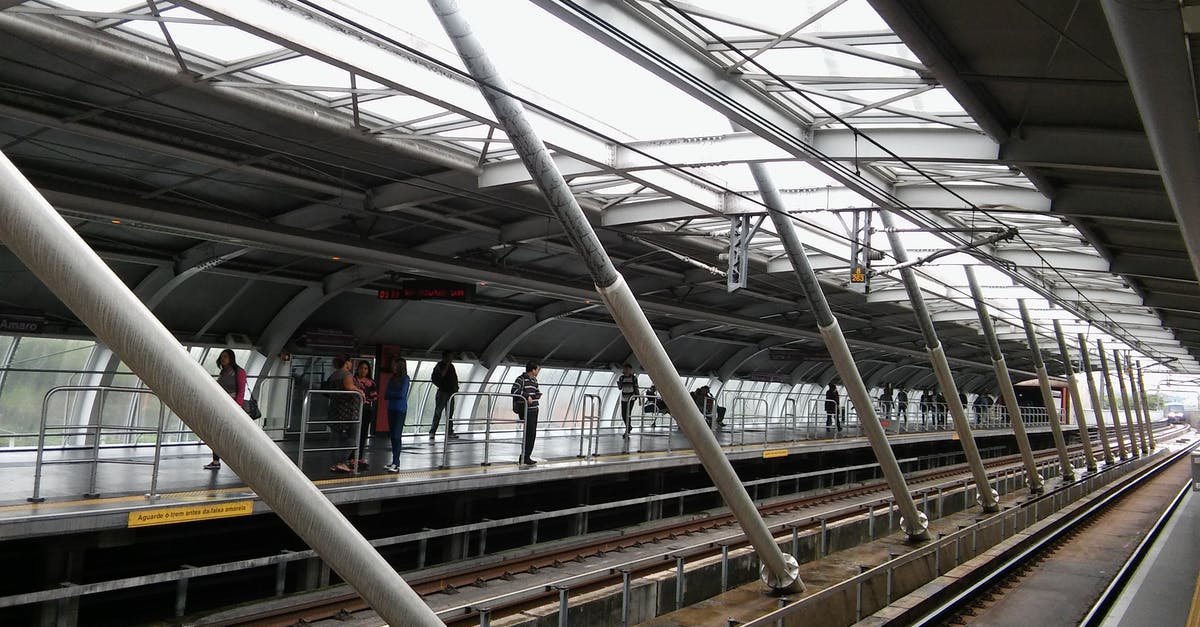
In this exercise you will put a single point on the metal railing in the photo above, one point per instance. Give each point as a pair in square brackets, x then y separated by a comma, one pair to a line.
[960, 545]
[489, 419]
[592, 419]
[96, 432]
[336, 428]
[740, 402]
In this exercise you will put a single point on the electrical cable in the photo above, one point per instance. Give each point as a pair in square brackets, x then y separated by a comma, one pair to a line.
[909, 214]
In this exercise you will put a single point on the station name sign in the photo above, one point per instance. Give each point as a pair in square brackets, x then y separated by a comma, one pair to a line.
[21, 323]
[429, 290]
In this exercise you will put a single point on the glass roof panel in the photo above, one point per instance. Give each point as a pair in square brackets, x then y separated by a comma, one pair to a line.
[819, 49]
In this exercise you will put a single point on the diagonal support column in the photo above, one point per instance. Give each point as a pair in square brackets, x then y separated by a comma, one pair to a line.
[1064, 460]
[44, 242]
[1146, 405]
[1125, 401]
[912, 521]
[1095, 394]
[1143, 418]
[1034, 480]
[779, 571]
[1076, 398]
[988, 499]
[1112, 401]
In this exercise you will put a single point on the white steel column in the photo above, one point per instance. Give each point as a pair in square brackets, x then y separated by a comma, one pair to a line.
[1133, 434]
[1064, 460]
[1076, 399]
[779, 570]
[1099, 411]
[988, 499]
[1143, 418]
[1112, 401]
[1033, 479]
[912, 521]
[1146, 405]
[44, 242]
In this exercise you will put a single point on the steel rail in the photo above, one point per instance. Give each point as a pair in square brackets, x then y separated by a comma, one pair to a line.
[1096, 615]
[1044, 538]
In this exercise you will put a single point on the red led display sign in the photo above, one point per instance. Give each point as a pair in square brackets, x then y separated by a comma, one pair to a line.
[429, 290]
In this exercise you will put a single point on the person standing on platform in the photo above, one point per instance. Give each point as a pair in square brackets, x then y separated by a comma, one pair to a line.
[342, 407]
[526, 407]
[831, 407]
[364, 382]
[940, 408]
[232, 379]
[982, 402]
[885, 402]
[902, 406]
[445, 378]
[926, 403]
[627, 383]
[396, 396]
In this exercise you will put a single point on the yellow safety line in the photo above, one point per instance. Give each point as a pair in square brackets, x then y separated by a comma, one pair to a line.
[1193, 619]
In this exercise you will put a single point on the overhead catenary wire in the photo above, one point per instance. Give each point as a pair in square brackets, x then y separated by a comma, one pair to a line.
[915, 217]
[676, 168]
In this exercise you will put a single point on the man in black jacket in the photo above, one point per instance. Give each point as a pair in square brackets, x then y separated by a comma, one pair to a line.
[831, 407]
[445, 378]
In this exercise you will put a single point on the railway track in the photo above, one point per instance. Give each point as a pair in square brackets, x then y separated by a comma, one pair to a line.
[1083, 559]
[336, 606]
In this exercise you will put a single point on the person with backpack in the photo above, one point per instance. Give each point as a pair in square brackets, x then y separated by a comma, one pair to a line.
[445, 379]
[232, 379]
[526, 394]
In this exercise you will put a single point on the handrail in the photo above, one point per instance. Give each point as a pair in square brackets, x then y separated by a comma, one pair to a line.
[305, 423]
[487, 423]
[740, 401]
[173, 576]
[98, 431]
[589, 401]
[641, 401]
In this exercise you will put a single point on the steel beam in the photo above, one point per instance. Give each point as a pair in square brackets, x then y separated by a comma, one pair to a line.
[1112, 401]
[64, 262]
[1149, 36]
[988, 499]
[913, 522]
[780, 571]
[1095, 395]
[1064, 460]
[1076, 398]
[1034, 479]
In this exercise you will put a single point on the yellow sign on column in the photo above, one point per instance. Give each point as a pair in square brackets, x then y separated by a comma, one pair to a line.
[858, 276]
[189, 513]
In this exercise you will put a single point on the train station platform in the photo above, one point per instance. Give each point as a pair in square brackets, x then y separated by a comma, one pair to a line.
[1164, 589]
[123, 490]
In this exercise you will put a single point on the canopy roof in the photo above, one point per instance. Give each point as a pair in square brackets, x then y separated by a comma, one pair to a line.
[281, 161]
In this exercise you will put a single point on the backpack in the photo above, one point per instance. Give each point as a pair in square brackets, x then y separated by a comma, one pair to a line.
[517, 390]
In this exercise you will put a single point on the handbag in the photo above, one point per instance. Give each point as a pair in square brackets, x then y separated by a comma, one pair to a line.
[252, 408]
